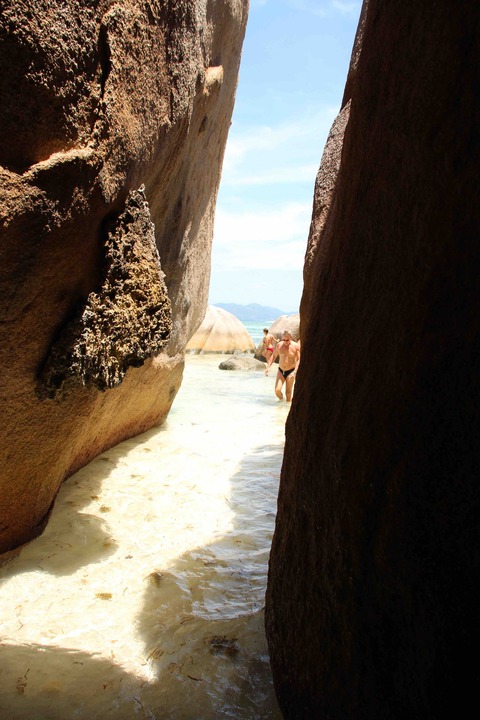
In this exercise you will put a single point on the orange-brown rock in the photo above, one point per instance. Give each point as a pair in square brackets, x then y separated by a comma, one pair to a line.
[113, 122]
[372, 607]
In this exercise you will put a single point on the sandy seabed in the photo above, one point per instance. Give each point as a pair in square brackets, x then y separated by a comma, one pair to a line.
[144, 596]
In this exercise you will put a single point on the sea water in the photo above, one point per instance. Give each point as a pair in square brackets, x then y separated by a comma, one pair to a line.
[144, 597]
[255, 329]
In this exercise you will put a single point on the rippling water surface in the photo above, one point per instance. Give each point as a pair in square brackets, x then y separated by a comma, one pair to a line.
[144, 597]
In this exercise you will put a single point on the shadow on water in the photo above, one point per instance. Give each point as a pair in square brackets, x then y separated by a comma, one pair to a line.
[201, 623]
[202, 620]
[71, 527]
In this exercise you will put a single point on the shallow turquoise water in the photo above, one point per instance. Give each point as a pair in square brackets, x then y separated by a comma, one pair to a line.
[255, 329]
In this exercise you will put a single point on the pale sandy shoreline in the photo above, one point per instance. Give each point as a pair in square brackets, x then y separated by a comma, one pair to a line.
[152, 569]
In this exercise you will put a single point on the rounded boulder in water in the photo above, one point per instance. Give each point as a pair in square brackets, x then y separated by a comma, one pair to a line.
[241, 362]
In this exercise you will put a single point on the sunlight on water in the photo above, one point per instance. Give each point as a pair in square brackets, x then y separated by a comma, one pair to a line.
[144, 596]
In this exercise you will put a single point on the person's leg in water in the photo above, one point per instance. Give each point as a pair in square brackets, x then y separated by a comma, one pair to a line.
[289, 386]
[279, 384]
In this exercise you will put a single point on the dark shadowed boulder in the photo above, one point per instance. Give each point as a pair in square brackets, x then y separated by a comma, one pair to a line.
[241, 362]
[372, 606]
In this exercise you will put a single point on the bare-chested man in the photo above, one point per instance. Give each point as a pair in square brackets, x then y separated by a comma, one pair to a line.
[288, 353]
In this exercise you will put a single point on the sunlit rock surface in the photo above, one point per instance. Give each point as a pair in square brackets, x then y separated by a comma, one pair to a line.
[278, 327]
[286, 322]
[220, 332]
[372, 607]
[114, 119]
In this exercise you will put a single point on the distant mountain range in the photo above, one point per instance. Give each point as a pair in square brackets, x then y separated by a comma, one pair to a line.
[252, 312]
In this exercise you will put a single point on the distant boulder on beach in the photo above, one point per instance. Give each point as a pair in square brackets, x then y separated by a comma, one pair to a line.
[284, 322]
[220, 332]
[241, 362]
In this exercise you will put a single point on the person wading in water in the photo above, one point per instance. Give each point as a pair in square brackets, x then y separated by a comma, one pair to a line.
[269, 342]
[288, 353]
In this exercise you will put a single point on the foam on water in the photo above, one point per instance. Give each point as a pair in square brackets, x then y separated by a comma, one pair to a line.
[144, 596]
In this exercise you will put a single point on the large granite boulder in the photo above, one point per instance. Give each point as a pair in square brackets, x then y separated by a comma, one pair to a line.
[286, 322]
[220, 332]
[114, 117]
[282, 323]
[372, 606]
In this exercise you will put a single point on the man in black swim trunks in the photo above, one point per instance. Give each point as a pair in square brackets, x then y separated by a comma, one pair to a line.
[288, 353]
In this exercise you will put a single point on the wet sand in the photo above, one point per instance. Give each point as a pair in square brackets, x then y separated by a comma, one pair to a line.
[144, 596]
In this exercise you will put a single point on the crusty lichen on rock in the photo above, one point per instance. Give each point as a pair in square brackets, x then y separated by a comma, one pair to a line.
[126, 321]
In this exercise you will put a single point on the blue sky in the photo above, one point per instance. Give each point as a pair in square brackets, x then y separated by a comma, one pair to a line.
[294, 65]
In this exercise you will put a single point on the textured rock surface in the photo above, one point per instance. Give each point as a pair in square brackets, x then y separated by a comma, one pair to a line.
[372, 608]
[220, 332]
[123, 324]
[96, 303]
[242, 362]
[286, 322]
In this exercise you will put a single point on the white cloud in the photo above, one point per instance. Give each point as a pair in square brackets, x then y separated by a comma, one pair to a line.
[346, 8]
[350, 9]
[261, 137]
[260, 223]
[288, 152]
[277, 176]
[271, 239]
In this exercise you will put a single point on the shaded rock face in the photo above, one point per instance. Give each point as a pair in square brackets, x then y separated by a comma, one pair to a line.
[101, 282]
[220, 332]
[371, 607]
